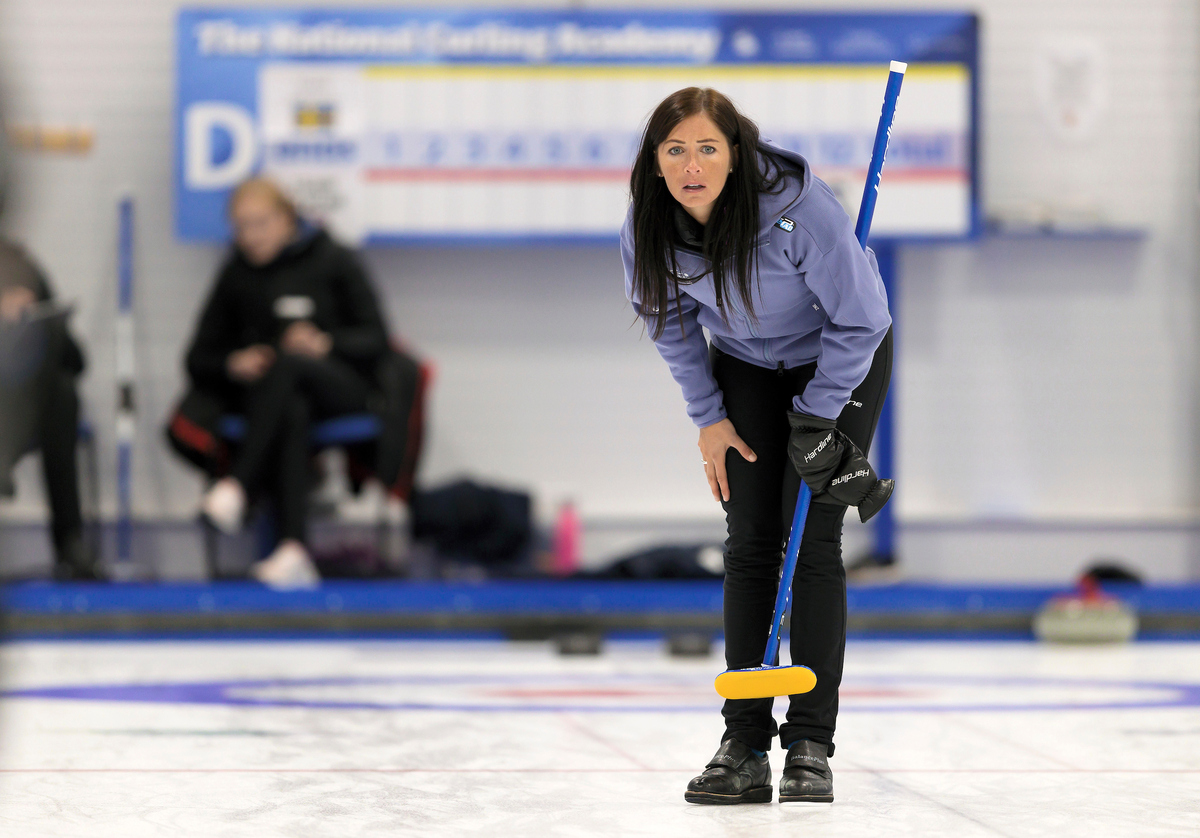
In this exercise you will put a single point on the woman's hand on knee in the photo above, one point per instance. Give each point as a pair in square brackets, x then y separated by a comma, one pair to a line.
[715, 441]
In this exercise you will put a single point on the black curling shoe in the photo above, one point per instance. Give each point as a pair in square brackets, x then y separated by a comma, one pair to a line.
[734, 775]
[806, 774]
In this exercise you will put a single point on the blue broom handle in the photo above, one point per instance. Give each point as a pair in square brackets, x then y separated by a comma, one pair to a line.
[861, 230]
[866, 210]
[784, 598]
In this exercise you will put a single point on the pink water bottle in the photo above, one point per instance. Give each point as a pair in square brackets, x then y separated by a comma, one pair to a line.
[567, 537]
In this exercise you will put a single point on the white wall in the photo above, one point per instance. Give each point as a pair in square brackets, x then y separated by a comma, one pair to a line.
[1037, 381]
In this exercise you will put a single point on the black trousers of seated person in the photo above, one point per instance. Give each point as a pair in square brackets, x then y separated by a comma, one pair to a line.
[762, 500]
[281, 409]
[39, 410]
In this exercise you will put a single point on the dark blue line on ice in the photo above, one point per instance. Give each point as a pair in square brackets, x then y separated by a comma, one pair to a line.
[232, 693]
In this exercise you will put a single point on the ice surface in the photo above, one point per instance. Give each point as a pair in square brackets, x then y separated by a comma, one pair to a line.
[345, 738]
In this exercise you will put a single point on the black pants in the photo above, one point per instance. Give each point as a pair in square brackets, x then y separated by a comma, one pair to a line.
[762, 500]
[39, 409]
[280, 410]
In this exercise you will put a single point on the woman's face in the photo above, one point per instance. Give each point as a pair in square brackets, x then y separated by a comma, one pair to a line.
[695, 160]
[261, 227]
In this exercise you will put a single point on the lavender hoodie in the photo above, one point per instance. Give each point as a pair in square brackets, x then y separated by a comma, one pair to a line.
[818, 297]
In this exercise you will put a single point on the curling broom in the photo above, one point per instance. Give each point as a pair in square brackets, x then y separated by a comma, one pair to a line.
[770, 680]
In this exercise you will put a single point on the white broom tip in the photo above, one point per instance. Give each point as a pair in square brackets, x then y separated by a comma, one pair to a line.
[899, 67]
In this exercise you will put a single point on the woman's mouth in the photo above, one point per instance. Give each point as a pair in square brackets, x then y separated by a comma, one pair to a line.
[693, 187]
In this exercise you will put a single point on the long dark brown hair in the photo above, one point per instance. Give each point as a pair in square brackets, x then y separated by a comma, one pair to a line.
[731, 234]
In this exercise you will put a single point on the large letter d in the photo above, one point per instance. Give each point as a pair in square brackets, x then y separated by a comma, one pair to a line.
[200, 123]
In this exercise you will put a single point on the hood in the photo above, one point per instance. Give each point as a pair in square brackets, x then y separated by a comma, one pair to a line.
[791, 190]
[307, 234]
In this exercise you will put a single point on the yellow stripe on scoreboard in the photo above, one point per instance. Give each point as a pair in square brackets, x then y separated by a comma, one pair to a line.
[765, 72]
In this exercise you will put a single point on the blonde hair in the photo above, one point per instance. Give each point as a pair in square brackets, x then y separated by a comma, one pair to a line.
[267, 188]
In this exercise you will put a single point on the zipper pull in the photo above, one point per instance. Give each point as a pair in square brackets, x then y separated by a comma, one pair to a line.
[779, 369]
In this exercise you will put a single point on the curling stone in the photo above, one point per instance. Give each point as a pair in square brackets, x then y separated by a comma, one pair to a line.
[1088, 615]
[579, 643]
[690, 644]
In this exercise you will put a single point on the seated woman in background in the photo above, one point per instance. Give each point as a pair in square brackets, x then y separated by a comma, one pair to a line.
[39, 407]
[291, 335]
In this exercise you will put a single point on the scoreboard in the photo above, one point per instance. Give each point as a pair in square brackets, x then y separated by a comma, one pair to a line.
[401, 126]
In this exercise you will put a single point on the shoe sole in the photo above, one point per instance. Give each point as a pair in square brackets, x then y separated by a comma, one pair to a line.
[806, 799]
[761, 794]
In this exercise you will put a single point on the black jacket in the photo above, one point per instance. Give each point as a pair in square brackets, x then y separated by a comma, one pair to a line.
[245, 307]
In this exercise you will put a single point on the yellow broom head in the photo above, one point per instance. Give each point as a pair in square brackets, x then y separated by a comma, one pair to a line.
[765, 681]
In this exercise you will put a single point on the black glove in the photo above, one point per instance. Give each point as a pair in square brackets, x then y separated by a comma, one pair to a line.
[815, 448]
[856, 484]
[833, 467]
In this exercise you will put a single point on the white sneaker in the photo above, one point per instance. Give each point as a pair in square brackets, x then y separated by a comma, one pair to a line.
[225, 504]
[289, 568]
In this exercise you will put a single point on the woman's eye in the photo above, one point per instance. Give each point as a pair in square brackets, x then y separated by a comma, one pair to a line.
[708, 149]
[675, 150]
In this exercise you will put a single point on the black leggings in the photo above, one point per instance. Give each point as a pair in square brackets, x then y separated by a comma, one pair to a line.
[280, 410]
[762, 500]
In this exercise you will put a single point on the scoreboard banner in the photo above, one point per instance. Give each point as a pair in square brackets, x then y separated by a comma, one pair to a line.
[427, 126]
